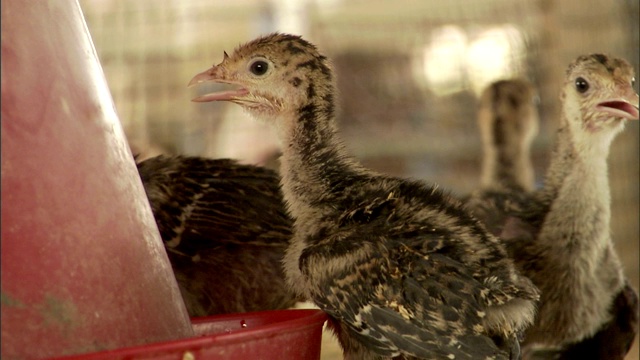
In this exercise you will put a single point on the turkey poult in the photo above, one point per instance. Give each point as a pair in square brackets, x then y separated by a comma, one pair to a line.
[402, 270]
[225, 228]
[562, 239]
[508, 122]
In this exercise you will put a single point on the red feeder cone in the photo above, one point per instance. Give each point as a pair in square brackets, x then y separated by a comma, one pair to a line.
[83, 266]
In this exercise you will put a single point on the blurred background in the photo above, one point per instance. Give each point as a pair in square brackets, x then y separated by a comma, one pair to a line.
[409, 73]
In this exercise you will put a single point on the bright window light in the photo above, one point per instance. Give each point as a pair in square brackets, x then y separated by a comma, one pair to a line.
[444, 60]
[494, 54]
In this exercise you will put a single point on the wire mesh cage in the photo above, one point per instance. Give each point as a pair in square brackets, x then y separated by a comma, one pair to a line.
[409, 74]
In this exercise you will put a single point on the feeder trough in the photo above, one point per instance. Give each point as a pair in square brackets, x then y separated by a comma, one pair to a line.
[265, 335]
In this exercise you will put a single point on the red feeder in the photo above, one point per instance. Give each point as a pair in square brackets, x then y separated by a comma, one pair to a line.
[83, 265]
[266, 335]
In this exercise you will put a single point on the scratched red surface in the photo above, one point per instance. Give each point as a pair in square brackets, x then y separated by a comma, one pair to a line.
[83, 266]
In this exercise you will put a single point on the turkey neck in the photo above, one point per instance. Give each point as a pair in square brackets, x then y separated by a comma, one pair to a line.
[563, 158]
[314, 171]
[581, 271]
[507, 166]
[315, 167]
[576, 194]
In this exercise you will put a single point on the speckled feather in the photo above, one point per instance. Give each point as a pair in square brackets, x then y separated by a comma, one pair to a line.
[402, 269]
[410, 271]
[225, 228]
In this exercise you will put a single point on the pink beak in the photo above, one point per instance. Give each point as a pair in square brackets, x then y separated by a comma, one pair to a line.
[215, 74]
[619, 108]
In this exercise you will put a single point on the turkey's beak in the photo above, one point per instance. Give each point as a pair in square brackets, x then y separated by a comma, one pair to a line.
[216, 74]
[621, 108]
[624, 104]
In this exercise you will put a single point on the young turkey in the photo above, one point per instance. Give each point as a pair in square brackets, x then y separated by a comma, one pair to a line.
[225, 228]
[401, 268]
[508, 122]
[561, 236]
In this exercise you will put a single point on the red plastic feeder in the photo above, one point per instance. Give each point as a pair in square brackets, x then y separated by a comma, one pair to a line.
[266, 335]
[84, 270]
[83, 265]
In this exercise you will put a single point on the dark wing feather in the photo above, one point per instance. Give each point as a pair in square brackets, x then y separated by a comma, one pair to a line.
[201, 203]
[225, 229]
[412, 298]
[494, 208]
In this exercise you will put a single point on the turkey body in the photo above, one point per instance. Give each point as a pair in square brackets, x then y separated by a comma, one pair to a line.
[225, 228]
[559, 236]
[508, 122]
[402, 269]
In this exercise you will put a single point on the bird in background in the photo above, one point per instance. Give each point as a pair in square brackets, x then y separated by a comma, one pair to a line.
[559, 236]
[225, 228]
[400, 267]
[508, 122]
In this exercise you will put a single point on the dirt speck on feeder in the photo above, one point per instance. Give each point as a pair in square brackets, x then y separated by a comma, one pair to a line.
[59, 311]
[8, 300]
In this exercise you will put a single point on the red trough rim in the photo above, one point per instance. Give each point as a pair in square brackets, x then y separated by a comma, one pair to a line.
[294, 320]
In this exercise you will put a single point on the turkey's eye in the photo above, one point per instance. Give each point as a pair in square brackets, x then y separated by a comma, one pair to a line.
[259, 67]
[582, 85]
[633, 82]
